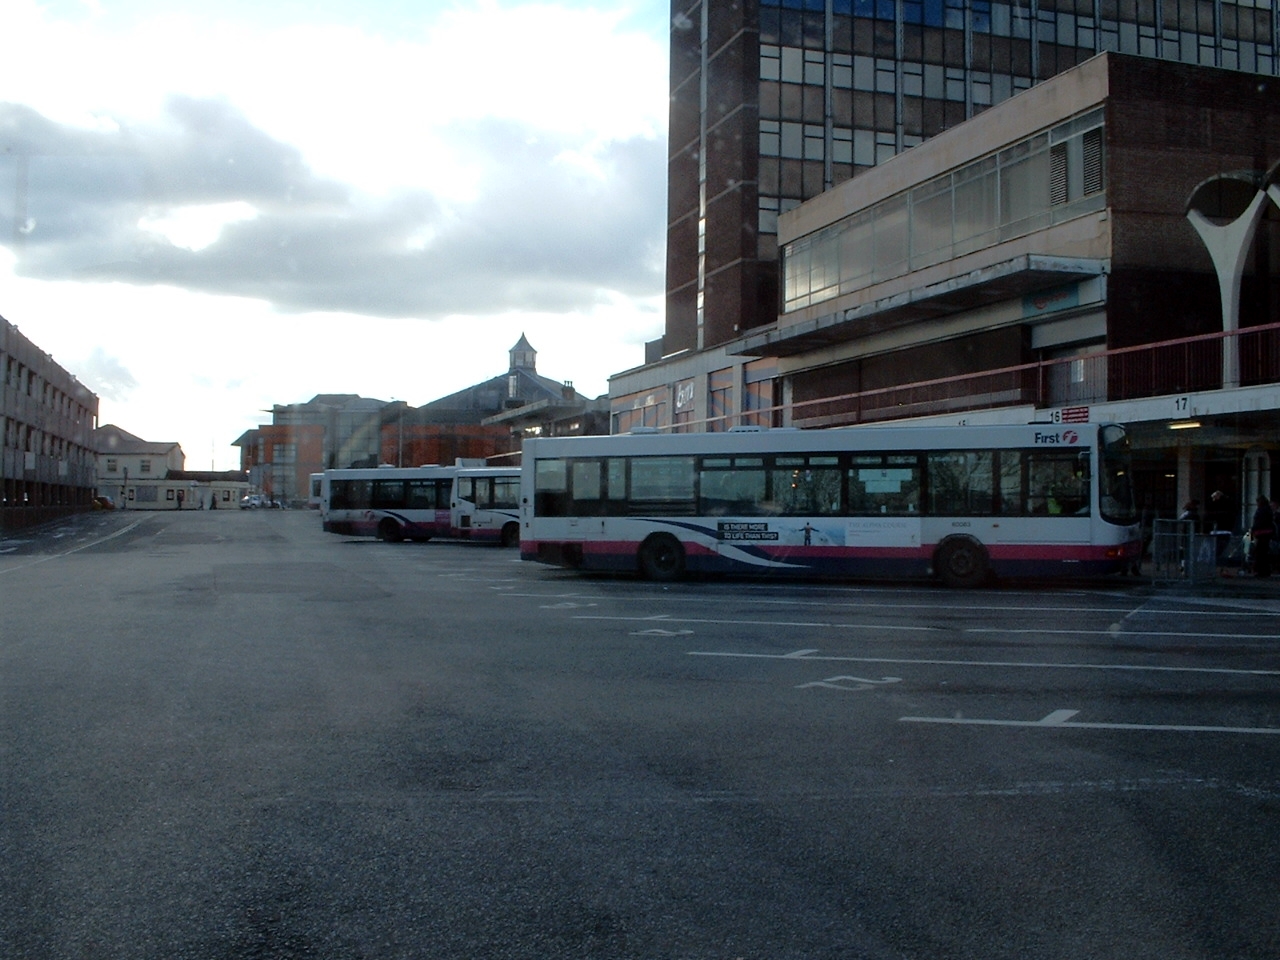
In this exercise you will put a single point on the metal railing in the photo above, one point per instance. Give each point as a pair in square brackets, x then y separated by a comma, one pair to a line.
[1167, 368]
[1179, 553]
[1185, 365]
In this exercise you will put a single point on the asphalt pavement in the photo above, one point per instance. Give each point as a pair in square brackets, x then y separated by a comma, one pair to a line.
[237, 736]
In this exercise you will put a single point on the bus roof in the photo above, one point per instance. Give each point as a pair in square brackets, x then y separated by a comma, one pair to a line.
[387, 472]
[834, 439]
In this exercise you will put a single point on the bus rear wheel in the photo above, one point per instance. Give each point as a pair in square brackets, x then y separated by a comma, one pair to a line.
[661, 558]
[389, 531]
[962, 562]
[511, 534]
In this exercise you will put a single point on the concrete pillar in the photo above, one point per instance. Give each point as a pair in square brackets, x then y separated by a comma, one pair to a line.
[1228, 245]
[1186, 490]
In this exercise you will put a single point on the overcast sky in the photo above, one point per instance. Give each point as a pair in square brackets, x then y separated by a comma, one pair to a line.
[208, 209]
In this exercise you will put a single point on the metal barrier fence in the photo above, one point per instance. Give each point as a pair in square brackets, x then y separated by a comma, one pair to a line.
[1178, 552]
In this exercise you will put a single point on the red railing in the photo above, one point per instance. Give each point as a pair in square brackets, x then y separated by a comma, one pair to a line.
[1186, 365]
[1167, 368]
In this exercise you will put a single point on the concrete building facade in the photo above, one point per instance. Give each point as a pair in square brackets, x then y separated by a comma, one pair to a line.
[1105, 246]
[48, 418]
[840, 251]
[774, 102]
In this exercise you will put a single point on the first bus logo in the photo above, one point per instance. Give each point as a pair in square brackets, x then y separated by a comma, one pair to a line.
[1063, 437]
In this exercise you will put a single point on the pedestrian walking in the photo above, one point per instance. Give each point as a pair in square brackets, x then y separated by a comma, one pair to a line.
[1222, 524]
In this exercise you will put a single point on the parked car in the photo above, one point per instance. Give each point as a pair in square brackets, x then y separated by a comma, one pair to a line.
[103, 503]
[256, 501]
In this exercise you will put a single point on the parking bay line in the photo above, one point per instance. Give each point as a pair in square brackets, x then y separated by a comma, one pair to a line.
[949, 608]
[1112, 632]
[1060, 719]
[66, 553]
[666, 618]
[1056, 719]
[811, 655]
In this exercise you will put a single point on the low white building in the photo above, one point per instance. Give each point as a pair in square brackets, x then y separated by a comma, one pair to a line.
[143, 475]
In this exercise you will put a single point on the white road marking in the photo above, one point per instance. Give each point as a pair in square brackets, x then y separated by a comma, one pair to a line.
[548, 596]
[1115, 630]
[1060, 719]
[1035, 665]
[67, 553]
[1112, 631]
[1144, 609]
[770, 623]
[839, 683]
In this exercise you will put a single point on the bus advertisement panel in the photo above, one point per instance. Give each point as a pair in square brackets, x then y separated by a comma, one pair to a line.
[959, 503]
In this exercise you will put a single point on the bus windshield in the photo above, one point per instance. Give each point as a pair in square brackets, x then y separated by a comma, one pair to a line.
[1116, 487]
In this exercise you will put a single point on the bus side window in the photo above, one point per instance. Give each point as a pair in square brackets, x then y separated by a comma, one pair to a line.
[884, 488]
[807, 491]
[731, 487]
[586, 488]
[663, 486]
[388, 494]
[1058, 482]
[422, 495]
[615, 473]
[348, 494]
[506, 493]
[1012, 498]
[551, 488]
[961, 483]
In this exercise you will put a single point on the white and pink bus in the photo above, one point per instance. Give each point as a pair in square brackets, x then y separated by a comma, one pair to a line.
[959, 503]
[390, 503]
[418, 503]
[486, 505]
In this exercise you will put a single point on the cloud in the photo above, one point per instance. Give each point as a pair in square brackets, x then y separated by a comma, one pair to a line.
[250, 203]
[554, 222]
[106, 376]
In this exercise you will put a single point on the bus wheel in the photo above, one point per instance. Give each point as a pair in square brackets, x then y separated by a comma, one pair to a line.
[389, 531]
[661, 558]
[511, 534]
[961, 562]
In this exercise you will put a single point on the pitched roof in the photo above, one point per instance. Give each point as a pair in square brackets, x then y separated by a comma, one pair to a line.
[491, 396]
[112, 439]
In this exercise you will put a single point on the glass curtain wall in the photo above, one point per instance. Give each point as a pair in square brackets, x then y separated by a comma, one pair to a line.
[1044, 179]
[846, 84]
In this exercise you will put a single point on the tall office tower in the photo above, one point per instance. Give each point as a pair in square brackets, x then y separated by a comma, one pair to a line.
[775, 101]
